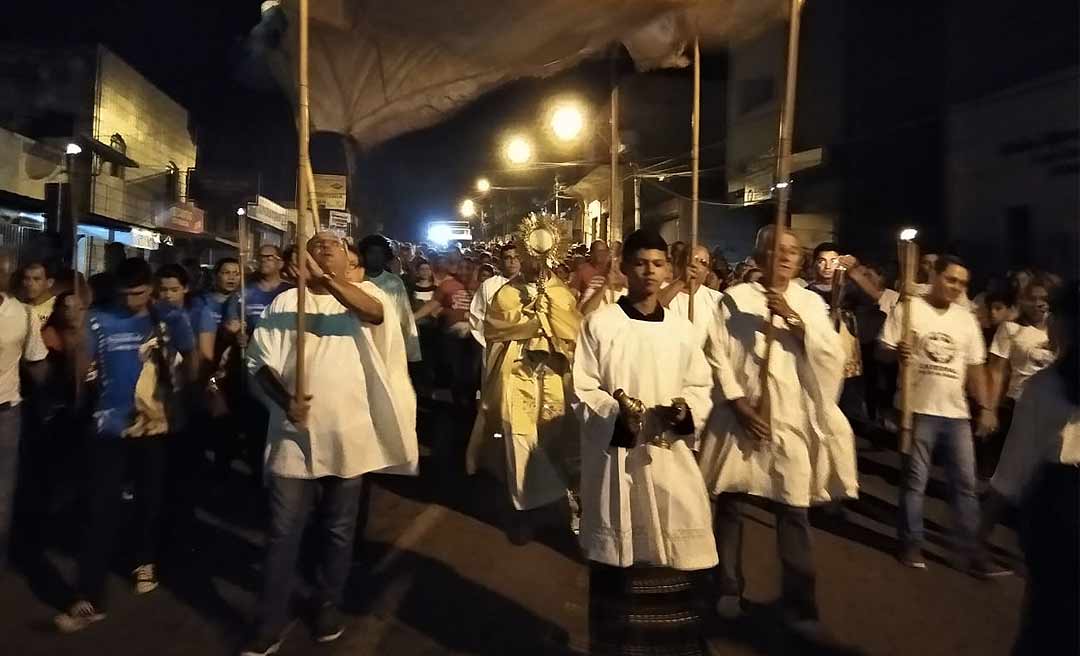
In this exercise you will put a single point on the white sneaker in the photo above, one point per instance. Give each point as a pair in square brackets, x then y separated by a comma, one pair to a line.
[81, 615]
[145, 578]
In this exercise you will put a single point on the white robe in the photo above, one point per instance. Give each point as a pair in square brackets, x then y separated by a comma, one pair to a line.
[706, 310]
[479, 305]
[391, 347]
[645, 505]
[811, 455]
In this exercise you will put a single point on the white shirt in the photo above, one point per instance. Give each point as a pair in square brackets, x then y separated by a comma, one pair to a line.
[644, 504]
[1027, 349]
[810, 457]
[888, 301]
[20, 338]
[394, 288]
[1045, 429]
[947, 342]
[355, 425]
[480, 301]
[706, 309]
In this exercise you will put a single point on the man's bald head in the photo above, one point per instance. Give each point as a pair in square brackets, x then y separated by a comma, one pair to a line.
[328, 250]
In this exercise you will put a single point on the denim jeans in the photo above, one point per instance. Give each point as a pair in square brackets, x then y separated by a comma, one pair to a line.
[954, 437]
[292, 500]
[9, 469]
[793, 543]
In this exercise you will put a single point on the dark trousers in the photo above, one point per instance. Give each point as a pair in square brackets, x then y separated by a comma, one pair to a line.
[292, 500]
[793, 543]
[1050, 535]
[988, 450]
[462, 355]
[110, 460]
[9, 467]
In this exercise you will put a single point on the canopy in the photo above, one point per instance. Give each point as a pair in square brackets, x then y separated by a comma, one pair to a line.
[379, 69]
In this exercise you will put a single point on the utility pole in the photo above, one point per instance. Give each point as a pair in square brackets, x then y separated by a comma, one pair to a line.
[637, 201]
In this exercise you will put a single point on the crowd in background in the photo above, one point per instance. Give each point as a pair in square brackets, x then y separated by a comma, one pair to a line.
[191, 323]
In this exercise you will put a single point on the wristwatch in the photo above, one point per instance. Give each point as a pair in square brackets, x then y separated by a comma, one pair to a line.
[793, 321]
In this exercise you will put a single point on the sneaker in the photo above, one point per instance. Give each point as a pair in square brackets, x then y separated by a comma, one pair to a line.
[729, 607]
[261, 646]
[912, 557]
[145, 578]
[81, 615]
[329, 623]
[985, 568]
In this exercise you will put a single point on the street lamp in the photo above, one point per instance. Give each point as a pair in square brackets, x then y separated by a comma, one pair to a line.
[567, 121]
[483, 185]
[468, 208]
[73, 149]
[908, 234]
[518, 150]
[240, 211]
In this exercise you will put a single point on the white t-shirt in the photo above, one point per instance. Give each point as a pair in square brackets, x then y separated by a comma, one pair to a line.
[20, 337]
[947, 342]
[1027, 349]
[888, 301]
[706, 310]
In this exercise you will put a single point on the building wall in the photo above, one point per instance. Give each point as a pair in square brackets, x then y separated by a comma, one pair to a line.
[155, 130]
[1012, 165]
[26, 166]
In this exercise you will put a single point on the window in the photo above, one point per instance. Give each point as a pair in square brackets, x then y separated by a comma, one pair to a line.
[172, 182]
[116, 142]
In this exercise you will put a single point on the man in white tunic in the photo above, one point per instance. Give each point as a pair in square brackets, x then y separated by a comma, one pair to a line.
[642, 388]
[676, 298]
[375, 253]
[357, 417]
[509, 266]
[799, 454]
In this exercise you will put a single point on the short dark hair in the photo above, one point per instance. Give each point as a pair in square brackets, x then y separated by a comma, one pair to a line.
[133, 272]
[643, 240]
[45, 266]
[355, 250]
[376, 241]
[825, 246]
[487, 267]
[173, 271]
[277, 249]
[998, 296]
[222, 262]
[945, 261]
[507, 247]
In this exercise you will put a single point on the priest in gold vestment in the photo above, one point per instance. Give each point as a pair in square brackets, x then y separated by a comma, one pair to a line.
[525, 432]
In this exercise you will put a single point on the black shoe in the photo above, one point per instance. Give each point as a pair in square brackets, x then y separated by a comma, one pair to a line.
[261, 646]
[911, 556]
[329, 623]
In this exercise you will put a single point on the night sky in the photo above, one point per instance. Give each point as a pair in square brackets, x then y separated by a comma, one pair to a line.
[195, 51]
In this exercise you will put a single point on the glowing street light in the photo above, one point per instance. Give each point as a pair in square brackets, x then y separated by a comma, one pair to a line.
[908, 234]
[468, 208]
[567, 121]
[73, 149]
[483, 185]
[519, 150]
[240, 211]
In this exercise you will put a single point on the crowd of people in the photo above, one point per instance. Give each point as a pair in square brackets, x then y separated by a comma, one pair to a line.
[650, 388]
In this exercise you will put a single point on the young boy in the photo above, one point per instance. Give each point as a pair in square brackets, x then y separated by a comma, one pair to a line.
[643, 390]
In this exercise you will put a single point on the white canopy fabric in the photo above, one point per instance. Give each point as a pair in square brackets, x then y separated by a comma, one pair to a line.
[381, 68]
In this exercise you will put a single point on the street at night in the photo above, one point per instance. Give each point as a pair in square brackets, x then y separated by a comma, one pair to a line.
[498, 327]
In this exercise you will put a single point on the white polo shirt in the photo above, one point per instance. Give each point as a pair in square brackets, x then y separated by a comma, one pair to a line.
[20, 337]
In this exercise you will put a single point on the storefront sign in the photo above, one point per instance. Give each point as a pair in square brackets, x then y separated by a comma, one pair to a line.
[183, 217]
[330, 191]
[270, 213]
[339, 219]
[148, 239]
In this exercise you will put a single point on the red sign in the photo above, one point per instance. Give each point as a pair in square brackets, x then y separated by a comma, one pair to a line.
[184, 217]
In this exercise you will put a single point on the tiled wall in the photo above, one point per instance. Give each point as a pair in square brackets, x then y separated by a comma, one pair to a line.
[154, 128]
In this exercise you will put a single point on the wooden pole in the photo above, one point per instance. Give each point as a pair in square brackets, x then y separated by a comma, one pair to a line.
[909, 262]
[615, 205]
[304, 127]
[695, 166]
[783, 185]
[241, 234]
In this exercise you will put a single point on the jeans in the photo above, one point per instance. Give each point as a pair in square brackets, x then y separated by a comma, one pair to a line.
[9, 469]
[110, 460]
[954, 436]
[793, 543]
[292, 500]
